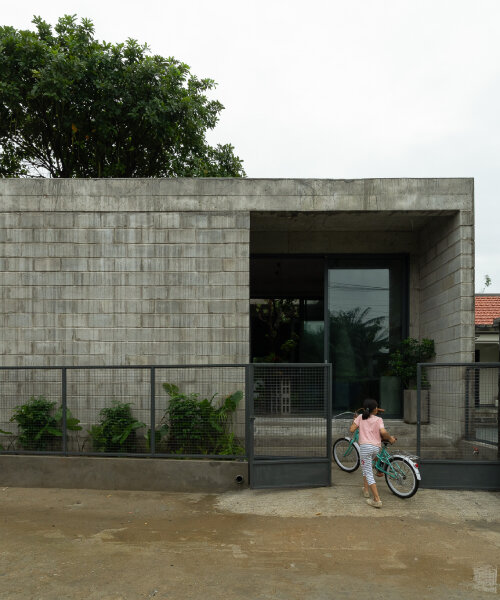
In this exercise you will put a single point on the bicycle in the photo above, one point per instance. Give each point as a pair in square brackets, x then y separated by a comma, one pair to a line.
[401, 470]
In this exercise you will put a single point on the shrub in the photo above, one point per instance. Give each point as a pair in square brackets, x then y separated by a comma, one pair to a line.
[39, 429]
[194, 426]
[116, 431]
[403, 361]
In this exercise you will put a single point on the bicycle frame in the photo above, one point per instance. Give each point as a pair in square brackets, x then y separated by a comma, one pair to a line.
[382, 462]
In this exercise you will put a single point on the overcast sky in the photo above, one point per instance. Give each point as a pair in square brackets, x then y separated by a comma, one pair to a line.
[331, 89]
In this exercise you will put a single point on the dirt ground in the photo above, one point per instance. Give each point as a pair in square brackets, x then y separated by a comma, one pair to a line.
[316, 544]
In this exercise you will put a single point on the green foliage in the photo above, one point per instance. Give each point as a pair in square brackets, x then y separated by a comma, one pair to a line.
[2, 432]
[116, 430]
[280, 317]
[487, 282]
[38, 427]
[72, 106]
[160, 433]
[403, 361]
[197, 426]
[356, 338]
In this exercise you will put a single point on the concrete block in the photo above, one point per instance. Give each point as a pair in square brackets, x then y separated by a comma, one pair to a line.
[222, 236]
[209, 264]
[172, 220]
[127, 320]
[128, 236]
[47, 264]
[233, 264]
[25, 264]
[182, 236]
[127, 264]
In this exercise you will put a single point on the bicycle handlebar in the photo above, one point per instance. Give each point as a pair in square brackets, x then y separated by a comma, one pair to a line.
[385, 442]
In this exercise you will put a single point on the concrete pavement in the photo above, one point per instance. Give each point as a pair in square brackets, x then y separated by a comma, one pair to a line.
[317, 544]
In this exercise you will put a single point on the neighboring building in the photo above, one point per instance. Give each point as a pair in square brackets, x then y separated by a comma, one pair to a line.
[182, 271]
[487, 319]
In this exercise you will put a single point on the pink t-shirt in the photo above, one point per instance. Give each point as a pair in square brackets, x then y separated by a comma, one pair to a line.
[369, 429]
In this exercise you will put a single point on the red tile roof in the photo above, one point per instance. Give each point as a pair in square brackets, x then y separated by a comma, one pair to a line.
[487, 309]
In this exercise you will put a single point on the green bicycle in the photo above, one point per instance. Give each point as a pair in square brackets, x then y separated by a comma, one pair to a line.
[401, 470]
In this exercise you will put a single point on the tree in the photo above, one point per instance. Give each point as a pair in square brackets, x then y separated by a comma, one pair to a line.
[356, 338]
[71, 106]
[487, 282]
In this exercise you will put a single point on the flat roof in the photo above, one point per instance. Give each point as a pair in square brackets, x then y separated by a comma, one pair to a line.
[436, 195]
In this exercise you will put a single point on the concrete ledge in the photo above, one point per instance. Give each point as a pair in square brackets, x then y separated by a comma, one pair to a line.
[148, 474]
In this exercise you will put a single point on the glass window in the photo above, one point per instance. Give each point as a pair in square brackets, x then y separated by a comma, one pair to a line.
[365, 300]
[365, 313]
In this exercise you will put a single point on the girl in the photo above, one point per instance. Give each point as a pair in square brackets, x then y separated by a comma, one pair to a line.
[371, 434]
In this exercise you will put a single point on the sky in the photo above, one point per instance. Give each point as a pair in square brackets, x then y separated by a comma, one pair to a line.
[334, 89]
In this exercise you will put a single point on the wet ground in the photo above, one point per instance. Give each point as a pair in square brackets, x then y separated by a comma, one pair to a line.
[317, 544]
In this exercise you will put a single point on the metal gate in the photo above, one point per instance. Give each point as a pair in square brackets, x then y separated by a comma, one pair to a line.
[289, 425]
[458, 425]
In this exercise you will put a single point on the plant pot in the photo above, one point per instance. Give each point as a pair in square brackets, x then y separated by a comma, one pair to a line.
[410, 406]
[390, 394]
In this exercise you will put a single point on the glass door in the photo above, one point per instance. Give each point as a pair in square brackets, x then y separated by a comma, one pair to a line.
[365, 316]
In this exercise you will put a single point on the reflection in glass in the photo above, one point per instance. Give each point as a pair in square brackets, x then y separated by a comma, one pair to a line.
[287, 330]
[364, 316]
[358, 309]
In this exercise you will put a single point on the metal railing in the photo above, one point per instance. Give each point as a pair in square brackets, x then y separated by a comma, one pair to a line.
[458, 411]
[290, 410]
[156, 411]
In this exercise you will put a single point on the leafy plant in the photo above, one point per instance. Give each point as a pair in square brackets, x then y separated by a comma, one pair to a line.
[355, 339]
[38, 427]
[403, 361]
[2, 432]
[116, 430]
[73, 106]
[198, 426]
[279, 317]
[160, 433]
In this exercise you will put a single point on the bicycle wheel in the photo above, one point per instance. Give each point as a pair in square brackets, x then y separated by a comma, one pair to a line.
[346, 455]
[401, 478]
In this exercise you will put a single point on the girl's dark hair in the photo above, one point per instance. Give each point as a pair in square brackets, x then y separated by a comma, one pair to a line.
[369, 405]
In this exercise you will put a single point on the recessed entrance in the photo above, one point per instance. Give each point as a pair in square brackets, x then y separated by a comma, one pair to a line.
[347, 310]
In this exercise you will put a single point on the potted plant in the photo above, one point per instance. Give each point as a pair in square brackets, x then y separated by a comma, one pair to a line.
[403, 363]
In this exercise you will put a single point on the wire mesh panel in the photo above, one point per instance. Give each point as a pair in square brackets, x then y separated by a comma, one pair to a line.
[159, 411]
[289, 410]
[30, 410]
[459, 406]
[200, 410]
[112, 406]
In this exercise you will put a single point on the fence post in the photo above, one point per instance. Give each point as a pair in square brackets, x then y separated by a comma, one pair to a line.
[249, 413]
[419, 394]
[328, 399]
[152, 435]
[64, 407]
[467, 403]
[498, 413]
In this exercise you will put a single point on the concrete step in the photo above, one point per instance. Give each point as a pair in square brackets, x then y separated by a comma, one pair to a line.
[305, 432]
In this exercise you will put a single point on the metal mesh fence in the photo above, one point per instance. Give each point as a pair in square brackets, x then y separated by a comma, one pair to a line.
[200, 411]
[113, 407]
[459, 411]
[206, 410]
[291, 405]
[27, 396]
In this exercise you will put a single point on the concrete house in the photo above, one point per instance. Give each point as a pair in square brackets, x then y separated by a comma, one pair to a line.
[188, 271]
[486, 323]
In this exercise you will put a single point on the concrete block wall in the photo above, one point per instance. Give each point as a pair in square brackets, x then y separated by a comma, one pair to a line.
[446, 314]
[157, 271]
[123, 287]
[446, 293]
